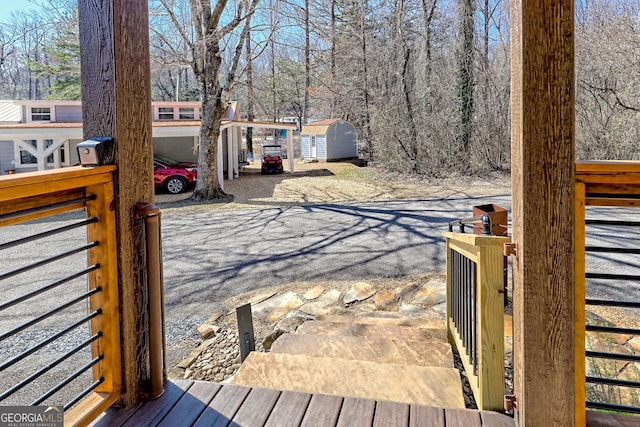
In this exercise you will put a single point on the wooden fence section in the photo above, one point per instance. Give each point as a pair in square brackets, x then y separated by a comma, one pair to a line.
[475, 312]
[29, 196]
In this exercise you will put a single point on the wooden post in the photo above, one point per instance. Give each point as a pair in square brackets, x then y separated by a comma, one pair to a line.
[543, 173]
[116, 101]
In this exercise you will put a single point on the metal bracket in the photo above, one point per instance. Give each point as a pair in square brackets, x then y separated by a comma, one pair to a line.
[510, 403]
[245, 331]
[510, 249]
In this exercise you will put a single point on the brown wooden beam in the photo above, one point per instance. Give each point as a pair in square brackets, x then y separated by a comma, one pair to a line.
[543, 169]
[116, 101]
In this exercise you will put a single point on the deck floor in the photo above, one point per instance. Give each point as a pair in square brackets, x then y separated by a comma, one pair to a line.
[199, 403]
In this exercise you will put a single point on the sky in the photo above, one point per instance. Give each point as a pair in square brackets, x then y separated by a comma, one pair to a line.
[8, 6]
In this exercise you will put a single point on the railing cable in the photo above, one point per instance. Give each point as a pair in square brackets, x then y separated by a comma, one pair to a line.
[47, 233]
[52, 206]
[48, 287]
[49, 340]
[50, 313]
[49, 366]
[47, 261]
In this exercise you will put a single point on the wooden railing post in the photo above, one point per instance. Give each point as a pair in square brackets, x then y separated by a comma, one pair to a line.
[116, 102]
[542, 181]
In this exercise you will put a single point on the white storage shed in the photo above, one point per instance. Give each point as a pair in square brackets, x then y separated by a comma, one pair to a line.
[327, 140]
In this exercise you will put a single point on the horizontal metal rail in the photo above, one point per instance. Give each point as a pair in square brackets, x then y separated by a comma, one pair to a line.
[49, 313]
[48, 287]
[604, 249]
[47, 233]
[609, 303]
[49, 207]
[612, 222]
[84, 393]
[612, 407]
[613, 381]
[42, 344]
[613, 196]
[46, 261]
[49, 366]
[612, 330]
[483, 219]
[607, 276]
[614, 356]
[68, 380]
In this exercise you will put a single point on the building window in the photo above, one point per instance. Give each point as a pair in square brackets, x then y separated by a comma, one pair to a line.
[187, 113]
[165, 113]
[26, 158]
[63, 161]
[41, 114]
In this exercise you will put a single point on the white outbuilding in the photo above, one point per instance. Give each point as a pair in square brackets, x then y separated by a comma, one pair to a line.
[329, 140]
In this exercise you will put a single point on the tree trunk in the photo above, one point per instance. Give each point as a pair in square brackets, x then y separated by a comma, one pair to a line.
[250, 92]
[465, 83]
[307, 62]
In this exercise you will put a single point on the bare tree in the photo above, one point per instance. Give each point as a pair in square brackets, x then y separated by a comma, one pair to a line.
[212, 33]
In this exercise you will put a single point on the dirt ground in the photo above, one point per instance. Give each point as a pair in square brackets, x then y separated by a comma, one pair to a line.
[335, 182]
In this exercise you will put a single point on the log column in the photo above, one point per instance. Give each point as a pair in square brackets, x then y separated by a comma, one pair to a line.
[116, 101]
[543, 169]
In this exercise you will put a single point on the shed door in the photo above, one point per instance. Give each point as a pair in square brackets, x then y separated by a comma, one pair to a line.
[313, 147]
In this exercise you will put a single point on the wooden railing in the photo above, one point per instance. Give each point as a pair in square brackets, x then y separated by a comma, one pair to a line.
[40, 195]
[475, 312]
[611, 187]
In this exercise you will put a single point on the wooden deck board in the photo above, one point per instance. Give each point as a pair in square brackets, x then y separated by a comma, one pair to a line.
[191, 405]
[391, 414]
[154, 410]
[188, 403]
[323, 410]
[356, 413]
[223, 407]
[289, 409]
[426, 416]
[257, 407]
[462, 417]
[494, 419]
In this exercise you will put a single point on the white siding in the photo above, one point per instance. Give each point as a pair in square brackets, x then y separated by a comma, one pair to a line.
[305, 146]
[9, 113]
[321, 147]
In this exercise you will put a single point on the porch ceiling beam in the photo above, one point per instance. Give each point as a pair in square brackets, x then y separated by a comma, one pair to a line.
[543, 170]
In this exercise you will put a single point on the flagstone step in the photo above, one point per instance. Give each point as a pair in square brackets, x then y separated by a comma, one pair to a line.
[380, 350]
[429, 322]
[431, 386]
[406, 333]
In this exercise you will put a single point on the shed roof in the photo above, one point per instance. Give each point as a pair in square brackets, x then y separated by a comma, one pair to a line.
[319, 127]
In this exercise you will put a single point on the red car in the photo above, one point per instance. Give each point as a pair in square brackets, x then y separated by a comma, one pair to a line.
[175, 177]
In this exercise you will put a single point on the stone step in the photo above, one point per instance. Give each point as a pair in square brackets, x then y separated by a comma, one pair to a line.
[379, 350]
[431, 386]
[406, 333]
[429, 322]
[422, 314]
